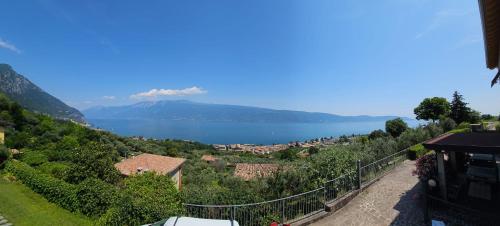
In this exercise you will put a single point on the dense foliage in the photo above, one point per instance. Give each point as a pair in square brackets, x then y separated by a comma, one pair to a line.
[54, 190]
[426, 167]
[460, 112]
[395, 127]
[432, 108]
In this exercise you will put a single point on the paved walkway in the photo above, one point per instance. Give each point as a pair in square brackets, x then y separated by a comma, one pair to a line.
[393, 200]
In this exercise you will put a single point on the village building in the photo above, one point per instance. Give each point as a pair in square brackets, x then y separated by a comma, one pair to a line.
[162, 165]
[248, 171]
[208, 158]
[220, 147]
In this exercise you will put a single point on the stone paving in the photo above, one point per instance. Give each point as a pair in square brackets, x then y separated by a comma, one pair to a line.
[4, 222]
[393, 200]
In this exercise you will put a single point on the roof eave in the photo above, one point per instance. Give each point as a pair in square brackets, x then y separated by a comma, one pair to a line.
[490, 24]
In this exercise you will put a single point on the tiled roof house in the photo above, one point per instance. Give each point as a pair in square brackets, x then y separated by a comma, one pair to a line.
[162, 165]
[249, 171]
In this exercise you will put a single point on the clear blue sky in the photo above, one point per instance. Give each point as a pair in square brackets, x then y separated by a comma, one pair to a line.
[345, 57]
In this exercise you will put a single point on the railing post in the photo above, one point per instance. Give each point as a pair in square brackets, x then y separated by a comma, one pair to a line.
[232, 214]
[325, 197]
[358, 168]
[283, 211]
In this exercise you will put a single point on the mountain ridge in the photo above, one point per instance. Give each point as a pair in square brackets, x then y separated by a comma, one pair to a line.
[29, 95]
[196, 111]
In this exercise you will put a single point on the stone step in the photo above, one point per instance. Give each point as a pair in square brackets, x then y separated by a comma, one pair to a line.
[4, 221]
[1, 217]
[7, 224]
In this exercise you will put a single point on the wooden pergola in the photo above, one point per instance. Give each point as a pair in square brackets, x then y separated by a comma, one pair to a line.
[490, 17]
[456, 146]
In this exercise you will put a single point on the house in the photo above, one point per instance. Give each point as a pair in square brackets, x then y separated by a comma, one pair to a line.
[208, 158]
[162, 165]
[490, 18]
[220, 147]
[2, 135]
[248, 171]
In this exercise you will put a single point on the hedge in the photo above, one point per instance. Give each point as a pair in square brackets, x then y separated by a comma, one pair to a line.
[54, 190]
[419, 150]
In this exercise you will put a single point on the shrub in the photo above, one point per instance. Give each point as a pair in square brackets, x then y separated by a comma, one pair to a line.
[419, 150]
[93, 161]
[377, 134]
[434, 130]
[497, 127]
[146, 198]
[34, 158]
[313, 150]
[4, 154]
[426, 167]
[54, 190]
[95, 196]
[447, 124]
[412, 136]
[55, 169]
[463, 125]
[395, 127]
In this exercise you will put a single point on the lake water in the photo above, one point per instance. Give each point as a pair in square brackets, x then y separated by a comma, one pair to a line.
[232, 133]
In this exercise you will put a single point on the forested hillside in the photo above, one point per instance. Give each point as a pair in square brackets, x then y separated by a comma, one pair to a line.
[19, 88]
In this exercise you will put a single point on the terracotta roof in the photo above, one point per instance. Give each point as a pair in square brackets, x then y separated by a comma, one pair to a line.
[486, 142]
[148, 162]
[208, 158]
[248, 171]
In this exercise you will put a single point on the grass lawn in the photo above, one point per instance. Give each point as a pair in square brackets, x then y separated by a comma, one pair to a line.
[21, 206]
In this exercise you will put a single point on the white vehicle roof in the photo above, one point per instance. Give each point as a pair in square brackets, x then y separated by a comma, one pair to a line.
[190, 221]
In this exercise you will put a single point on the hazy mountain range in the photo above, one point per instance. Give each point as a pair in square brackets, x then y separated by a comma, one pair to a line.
[23, 91]
[20, 89]
[193, 111]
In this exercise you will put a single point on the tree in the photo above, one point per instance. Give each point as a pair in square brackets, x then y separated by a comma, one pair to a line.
[474, 116]
[93, 161]
[459, 110]
[395, 127]
[432, 108]
[377, 134]
[447, 124]
[313, 150]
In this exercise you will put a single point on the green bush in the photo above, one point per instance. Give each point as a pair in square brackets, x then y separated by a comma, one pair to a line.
[463, 125]
[55, 169]
[146, 198]
[4, 155]
[419, 150]
[447, 124]
[95, 196]
[34, 158]
[54, 190]
[395, 127]
[497, 127]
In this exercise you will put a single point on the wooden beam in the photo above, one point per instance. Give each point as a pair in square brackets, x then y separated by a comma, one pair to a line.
[441, 175]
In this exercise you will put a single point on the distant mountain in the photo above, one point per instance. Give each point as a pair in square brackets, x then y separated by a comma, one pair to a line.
[192, 111]
[32, 97]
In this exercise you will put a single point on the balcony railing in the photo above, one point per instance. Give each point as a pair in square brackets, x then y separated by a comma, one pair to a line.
[297, 207]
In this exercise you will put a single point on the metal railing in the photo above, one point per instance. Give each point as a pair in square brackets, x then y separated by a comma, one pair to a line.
[296, 207]
[374, 170]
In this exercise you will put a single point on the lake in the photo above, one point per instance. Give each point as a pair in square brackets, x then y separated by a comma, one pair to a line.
[233, 133]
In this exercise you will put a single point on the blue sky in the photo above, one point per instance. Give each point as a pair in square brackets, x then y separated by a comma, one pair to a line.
[345, 57]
